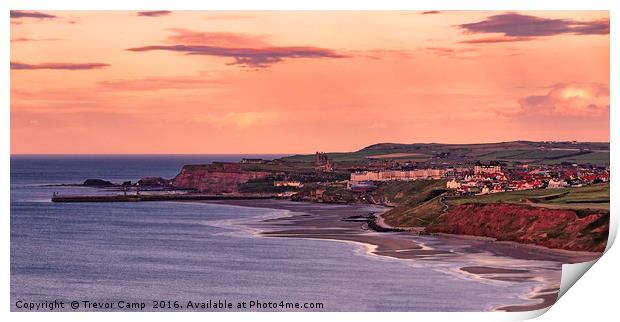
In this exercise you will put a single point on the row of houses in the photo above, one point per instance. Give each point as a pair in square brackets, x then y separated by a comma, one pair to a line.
[487, 178]
[397, 175]
[544, 176]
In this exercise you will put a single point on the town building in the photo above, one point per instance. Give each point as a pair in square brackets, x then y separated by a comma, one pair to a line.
[485, 190]
[287, 183]
[492, 168]
[323, 163]
[453, 184]
[398, 175]
[252, 161]
[361, 186]
[554, 184]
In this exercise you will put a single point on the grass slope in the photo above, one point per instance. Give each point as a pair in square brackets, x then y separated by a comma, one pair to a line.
[417, 202]
[409, 193]
[420, 215]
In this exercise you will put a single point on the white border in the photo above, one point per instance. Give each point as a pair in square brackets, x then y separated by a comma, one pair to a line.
[313, 5]
[593, 297]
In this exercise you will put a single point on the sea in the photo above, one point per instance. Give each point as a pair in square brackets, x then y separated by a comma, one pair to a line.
[164, 254]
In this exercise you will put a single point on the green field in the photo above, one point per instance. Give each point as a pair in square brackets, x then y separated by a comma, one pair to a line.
[589, 197]
[548, 156]
[592, 157]
[336, 156]
[527, 155]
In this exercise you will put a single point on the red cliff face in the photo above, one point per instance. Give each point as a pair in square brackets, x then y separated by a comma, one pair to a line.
[553, 228]
[214, 178]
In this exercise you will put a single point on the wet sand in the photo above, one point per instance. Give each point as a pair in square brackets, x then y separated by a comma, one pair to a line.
[491, 270]
[345, 223]
[547, 298]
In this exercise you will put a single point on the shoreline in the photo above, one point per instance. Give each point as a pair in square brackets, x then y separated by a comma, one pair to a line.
[320, 221]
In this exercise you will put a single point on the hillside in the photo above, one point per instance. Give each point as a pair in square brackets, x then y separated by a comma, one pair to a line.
[391, 193]
[408, 193]
[567, 218]
[418, 215]
[523, 151]
[423, 206]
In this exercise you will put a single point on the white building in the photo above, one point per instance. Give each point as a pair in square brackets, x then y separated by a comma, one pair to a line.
[485, 190]
[398, 175]
[492, 168]
[453, 184]
[287, 183]
[553, 184]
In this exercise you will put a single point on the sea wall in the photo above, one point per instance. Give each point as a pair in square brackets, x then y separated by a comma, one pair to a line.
[581, 230]
[214, 178]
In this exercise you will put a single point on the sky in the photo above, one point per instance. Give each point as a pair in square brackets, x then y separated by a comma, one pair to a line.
[108, 82]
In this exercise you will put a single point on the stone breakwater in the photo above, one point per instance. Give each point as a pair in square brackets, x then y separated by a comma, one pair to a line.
[582, 230]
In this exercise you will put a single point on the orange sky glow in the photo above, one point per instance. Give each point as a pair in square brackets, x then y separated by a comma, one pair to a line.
[299, 82]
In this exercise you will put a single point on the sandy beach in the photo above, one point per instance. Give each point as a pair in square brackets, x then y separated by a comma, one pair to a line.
[348, 223]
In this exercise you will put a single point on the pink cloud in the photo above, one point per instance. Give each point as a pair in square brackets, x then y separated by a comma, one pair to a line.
[157, 13]
[519, 25]
[247, 51]
[62, 66]
[452, 52]
[204, 80]
[492, 40]
[25, 39]
[572, 99]
[18, 14]
[220, 39]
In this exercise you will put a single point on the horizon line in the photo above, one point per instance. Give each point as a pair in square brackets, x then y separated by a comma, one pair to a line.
[289, 153]
[111, 154]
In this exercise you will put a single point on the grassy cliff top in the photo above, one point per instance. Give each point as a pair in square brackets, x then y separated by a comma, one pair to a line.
[423, 203]
[594, 196]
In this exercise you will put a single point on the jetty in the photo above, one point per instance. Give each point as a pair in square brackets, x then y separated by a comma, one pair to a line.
[157, 197]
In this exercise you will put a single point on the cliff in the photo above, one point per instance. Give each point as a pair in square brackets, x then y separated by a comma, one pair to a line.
[582, 230]
[217, 177]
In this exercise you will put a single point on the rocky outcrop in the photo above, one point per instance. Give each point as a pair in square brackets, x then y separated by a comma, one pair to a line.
[153, 182]
[581, 230]
[218, 177]
[97, 183]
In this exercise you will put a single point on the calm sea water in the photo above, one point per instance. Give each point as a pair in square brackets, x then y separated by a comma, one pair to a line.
[199, 251]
